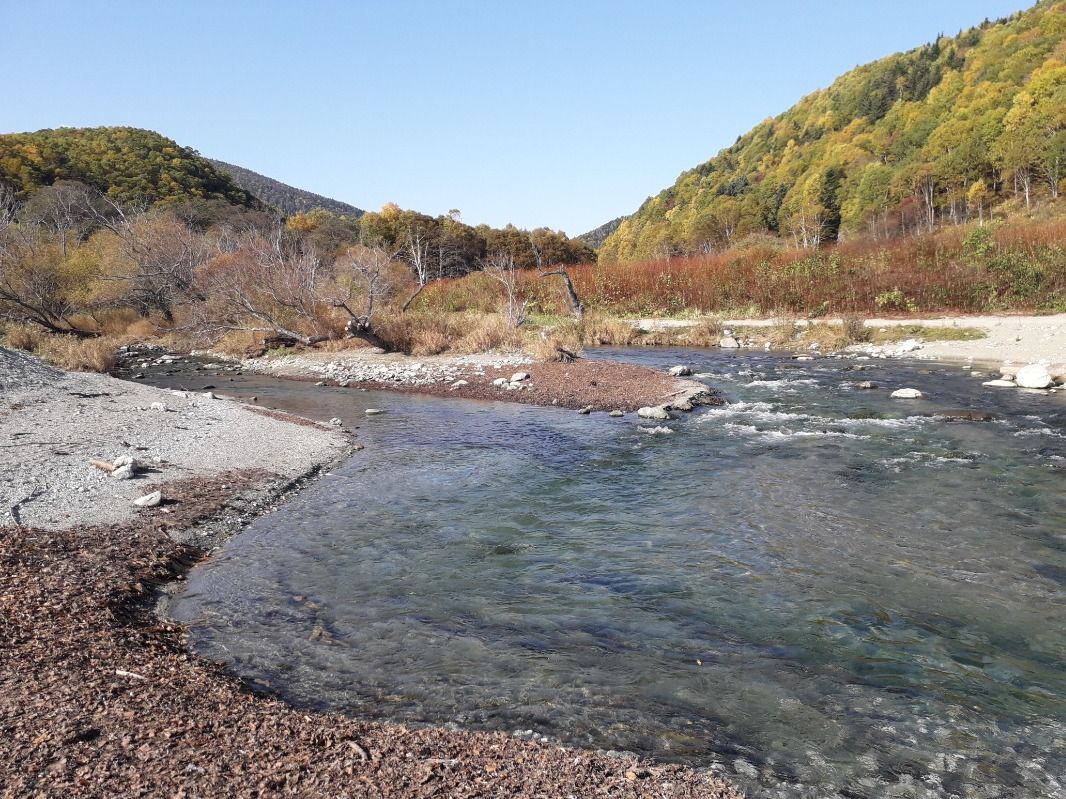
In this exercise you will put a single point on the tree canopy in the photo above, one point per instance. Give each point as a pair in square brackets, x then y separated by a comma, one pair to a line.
[933, 136]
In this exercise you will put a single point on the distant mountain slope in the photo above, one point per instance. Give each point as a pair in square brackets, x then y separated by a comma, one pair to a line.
[595, 238]
[906, 143]
[128, 164]
[285, 198]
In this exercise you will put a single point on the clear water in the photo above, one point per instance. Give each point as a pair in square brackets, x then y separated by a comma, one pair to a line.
[815, 590]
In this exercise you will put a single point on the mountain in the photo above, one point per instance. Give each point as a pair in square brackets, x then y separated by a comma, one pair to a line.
[595, 238]
[285, 198]
[130, 165]
[937, 135]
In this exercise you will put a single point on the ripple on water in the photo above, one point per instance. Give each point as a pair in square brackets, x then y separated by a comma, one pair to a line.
[813, 591]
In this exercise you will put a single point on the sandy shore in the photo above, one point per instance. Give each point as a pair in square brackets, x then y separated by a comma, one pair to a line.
[101, 698]
[1008, 339]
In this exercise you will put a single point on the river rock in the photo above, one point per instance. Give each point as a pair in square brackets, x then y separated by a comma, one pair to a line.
[123, 460]
[680, 371]
[586, 410]
[208, 395]
[1035, 375]
[966, 415]
[373, 411]
[149, 500]
[518, 377]
[657, 431]
[616, 414]
[866, 384]
[336, 422]
[906, 393]
[158, 406]
[460, 384]
[653, 412]
[729, 343]
[123, 472]
[500, 381]
[1000, 383]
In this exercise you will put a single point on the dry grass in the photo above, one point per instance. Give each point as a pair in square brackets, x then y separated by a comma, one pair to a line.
[546, 345]
[24, 337]
[80, 354]
[491, 332]
[706, 333]
[597, 330]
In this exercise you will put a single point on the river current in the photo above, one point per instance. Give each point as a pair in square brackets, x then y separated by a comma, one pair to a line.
[815, 590]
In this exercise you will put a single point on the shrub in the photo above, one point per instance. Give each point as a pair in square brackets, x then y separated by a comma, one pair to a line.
[600, 330]
[854, 329]
[706, 333]
[24, 337]
[80, 354]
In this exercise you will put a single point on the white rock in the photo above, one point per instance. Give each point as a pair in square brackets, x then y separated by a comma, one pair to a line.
[518, 377]
[653, 412]
[1034, 375]
[680, 371]
[656, 431]
[122, 460]
[373, 411]
[123, 472]
[1000, 383]
[459, 384]
[208, 395]
[616, 414]
[729, 343]
[500, 381]
[158, 406]
[149, 500]
[336, 422]
[910, 345]
[906, 393]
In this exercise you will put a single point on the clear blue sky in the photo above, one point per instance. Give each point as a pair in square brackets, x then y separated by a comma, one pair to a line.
[564, 114]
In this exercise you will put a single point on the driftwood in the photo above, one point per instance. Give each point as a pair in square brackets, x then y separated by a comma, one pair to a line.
[104, 466]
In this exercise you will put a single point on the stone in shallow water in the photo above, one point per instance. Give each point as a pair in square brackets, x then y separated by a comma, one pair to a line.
[1034, 376]
[906, 393]
[653, 412]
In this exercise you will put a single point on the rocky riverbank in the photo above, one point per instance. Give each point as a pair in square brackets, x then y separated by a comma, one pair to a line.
[99, 697]
[584, 384]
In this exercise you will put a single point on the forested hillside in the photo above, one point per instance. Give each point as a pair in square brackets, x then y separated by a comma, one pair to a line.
[128, 165]
[287, 199]
[960, 129]
[596, 237]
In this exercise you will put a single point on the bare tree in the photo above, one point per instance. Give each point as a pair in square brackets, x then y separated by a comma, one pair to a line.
[34, 288]
[263, 287]
[361, 278]
[577, 308]
[500, 266]
[416, 252]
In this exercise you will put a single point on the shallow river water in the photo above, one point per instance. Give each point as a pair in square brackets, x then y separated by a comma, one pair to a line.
[815, 590]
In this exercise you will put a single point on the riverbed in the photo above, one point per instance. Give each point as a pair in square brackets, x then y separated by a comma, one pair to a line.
[816, 590]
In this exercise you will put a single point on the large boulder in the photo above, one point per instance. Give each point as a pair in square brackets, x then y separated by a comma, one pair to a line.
[729, 343]
[680, 371]
[1035, 375]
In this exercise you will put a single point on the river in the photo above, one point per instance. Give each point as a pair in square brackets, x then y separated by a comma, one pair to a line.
[815, 590]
